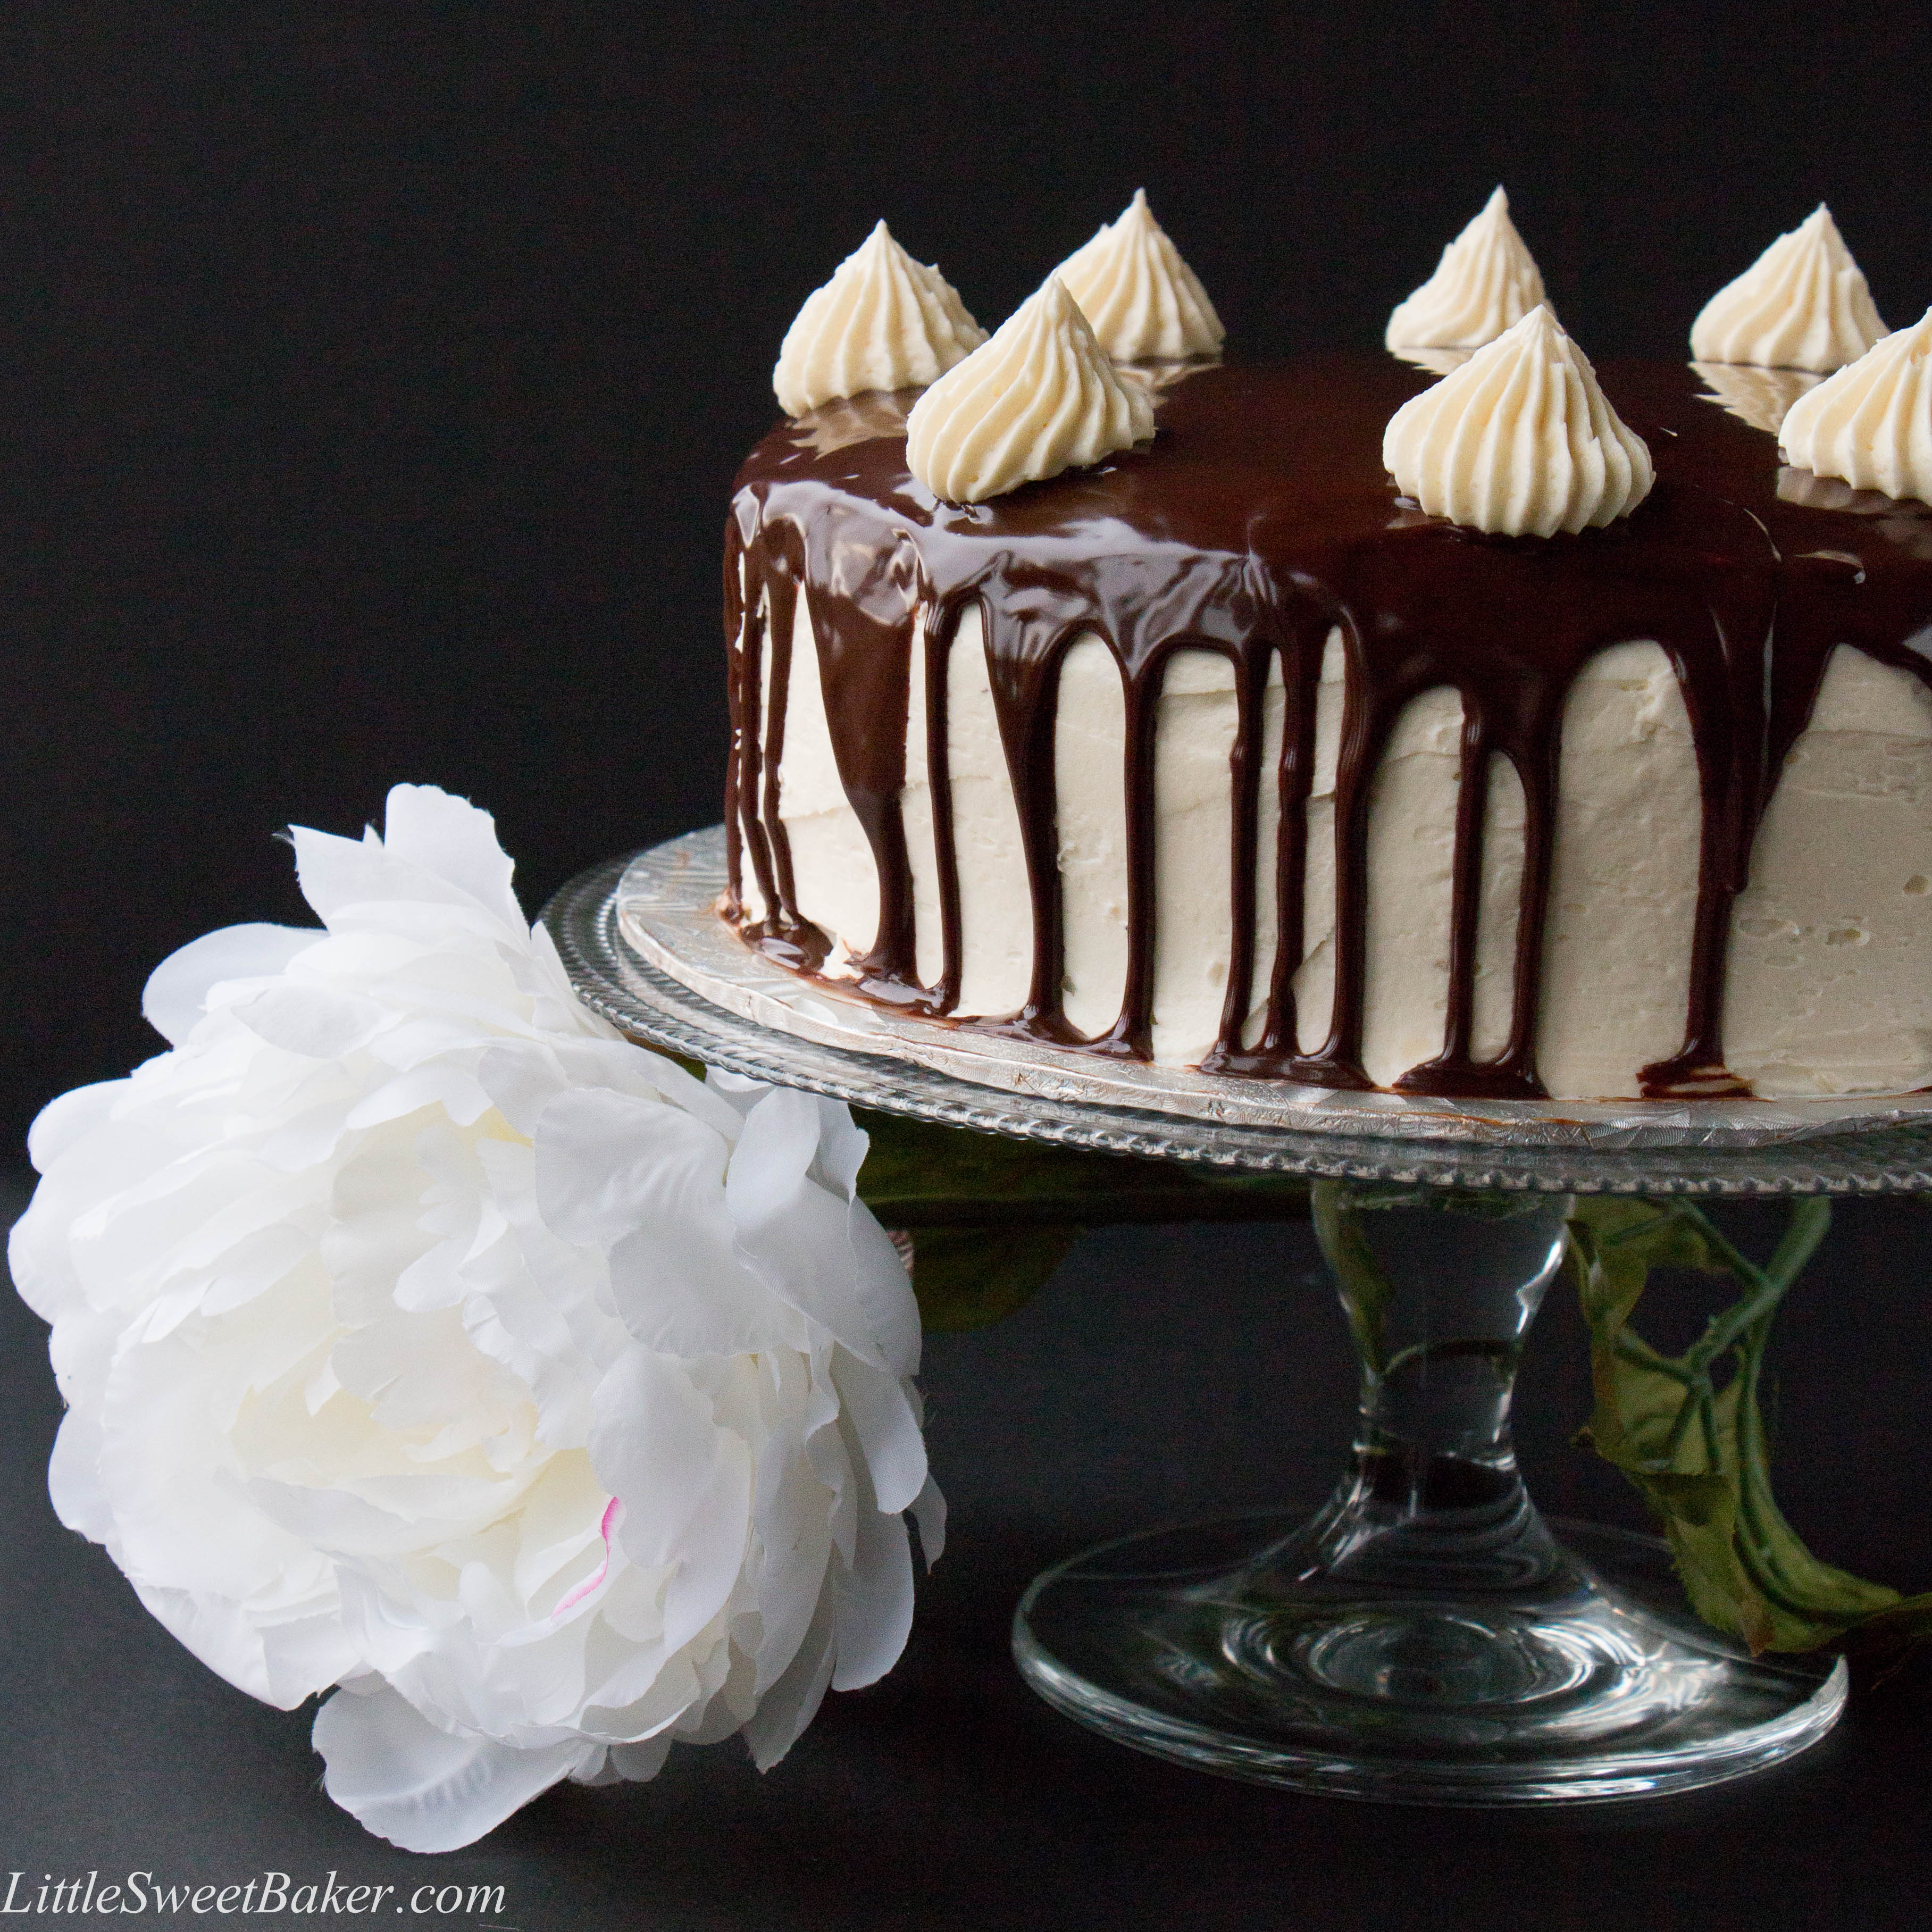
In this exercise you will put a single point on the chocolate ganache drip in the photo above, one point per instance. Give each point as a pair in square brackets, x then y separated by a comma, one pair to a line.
[1259, 521]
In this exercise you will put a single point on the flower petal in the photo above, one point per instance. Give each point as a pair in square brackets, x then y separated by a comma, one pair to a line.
[827, 1257]
[176, 994]
[62, 1122]
[791, 1703]
[423, 1788]
[424, 826]
[928, 1511]
[685, 1485]
[887, 1429]
[645, 1181]
[312, 1020]
[874, 1597]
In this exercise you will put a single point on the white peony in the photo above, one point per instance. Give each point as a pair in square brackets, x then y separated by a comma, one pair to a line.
[421, 1335]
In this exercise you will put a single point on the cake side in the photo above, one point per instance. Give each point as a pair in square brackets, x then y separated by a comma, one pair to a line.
[1218, 753]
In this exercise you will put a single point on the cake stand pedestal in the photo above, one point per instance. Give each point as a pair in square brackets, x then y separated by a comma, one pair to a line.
[1424, 1638]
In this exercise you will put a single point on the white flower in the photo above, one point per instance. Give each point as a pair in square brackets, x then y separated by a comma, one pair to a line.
[421, 1335]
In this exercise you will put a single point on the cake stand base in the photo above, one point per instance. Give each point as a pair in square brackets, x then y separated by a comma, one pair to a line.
[1425, 1637]
[1202, 1645]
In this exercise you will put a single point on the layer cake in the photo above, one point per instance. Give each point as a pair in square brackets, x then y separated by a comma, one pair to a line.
[1220, 752]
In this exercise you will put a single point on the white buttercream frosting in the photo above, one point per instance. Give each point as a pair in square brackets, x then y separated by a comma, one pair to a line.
[1802, 305]
[1825, 991]
[1487, 282]
[1870, 424]
[1520, 441]
[1144, 301]
[883, 322]
[1039, 398]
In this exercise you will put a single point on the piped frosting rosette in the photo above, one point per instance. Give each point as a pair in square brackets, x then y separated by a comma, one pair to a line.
[1487, 282]
[1803, 304]
[1870, 424]
[1145, 302]
[1039, 398]
[1520, 441]
[883, 322]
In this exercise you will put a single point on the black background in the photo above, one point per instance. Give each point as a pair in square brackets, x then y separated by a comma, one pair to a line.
[371, 381]
[372, 377]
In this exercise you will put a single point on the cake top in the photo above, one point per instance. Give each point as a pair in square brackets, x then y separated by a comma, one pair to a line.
[1280, 468]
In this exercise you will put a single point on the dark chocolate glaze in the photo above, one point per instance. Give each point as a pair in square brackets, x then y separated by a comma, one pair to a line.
[1258, 519]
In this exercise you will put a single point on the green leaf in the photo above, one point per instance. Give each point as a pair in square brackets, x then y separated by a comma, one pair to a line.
[1807, 1597]
[1697, 1450]
[1365, 1288]
[971, 1277]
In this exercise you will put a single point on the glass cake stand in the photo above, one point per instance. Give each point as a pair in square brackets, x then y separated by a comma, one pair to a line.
[1424, 1638]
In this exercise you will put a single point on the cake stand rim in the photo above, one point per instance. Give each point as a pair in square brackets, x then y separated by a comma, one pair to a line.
[649, 1005]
